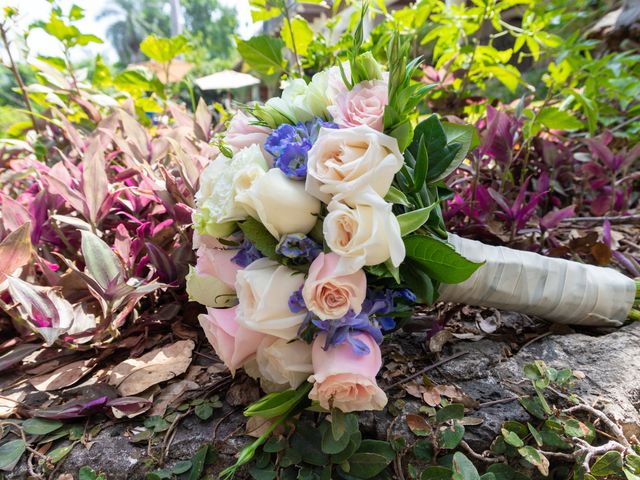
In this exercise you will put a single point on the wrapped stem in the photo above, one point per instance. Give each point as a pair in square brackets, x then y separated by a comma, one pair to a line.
[555, 289]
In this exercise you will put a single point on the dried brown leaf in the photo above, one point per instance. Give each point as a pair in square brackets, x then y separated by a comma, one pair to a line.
[418, 425]
[439, 340]
[62, 377]
[137, 374]
[170, 395]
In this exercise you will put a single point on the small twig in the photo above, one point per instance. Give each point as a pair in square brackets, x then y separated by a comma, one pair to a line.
[171, 432]
[424, 370]
[613, 427]
[535, 339]
[614, 219]
[569, 457]
[483, 457]
[589, 450]
[222, 419]
[497, 402]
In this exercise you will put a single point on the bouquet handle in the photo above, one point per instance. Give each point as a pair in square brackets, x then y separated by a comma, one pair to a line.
[555, 289]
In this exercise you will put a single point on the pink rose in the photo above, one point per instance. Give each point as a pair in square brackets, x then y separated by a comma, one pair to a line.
[344, 379]
[362, 105]
[242, 133]
[233, 343]
[216, 262]
[331, 296]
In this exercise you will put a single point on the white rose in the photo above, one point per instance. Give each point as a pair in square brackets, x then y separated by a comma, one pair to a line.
[263, 290]
[366, 234]
[217, 208]
[300, 102]
[282, 364]
[280, 204]
[208, 290]
[342, 163]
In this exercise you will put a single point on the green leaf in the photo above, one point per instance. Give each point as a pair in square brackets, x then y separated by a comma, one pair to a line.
[262, 53]
[533, 406]
[436, 473]
[439, 259]
[307, 441]
[302, 35]
[411, 221]
[87, 473]
[204, 411]
[450, 437]
[274, 445]
[278, 403]
[40, 426]
[257, 234]
[164, 50]
[455, 411]
[418, 282]
[102, 264]
[367, 465]
[463, 468]
[466, 136]
[396, 196]
[535, 434]
[608, 464]
[378, 447]
[59, 453]
[512, 438]
[354, 445]
[198, 461]
[553, 118]
[534, 457]
[10, 454]
[440, 152]
[181, 467]
[331, 445]
[500, 471]
[262, 473]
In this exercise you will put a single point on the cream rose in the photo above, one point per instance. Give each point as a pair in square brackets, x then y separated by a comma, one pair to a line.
[366, 234]
[280, 204]
[263, 290]
[281, 364]
[345, 380]
[344, 162]
[217, 209]
[331, 296]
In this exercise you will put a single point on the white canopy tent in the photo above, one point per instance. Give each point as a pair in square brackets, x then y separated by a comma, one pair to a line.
[226, 80]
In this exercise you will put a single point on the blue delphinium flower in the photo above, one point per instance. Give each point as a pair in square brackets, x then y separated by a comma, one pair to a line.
[346, 330]
[247, 254]
[299, 248]
[296, 302]
[373, 319]
[289, 144]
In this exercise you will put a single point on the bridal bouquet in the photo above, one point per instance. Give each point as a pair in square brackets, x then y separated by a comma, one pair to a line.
[319, 228]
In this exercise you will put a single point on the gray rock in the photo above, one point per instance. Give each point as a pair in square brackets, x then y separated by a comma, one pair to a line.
[611, 364]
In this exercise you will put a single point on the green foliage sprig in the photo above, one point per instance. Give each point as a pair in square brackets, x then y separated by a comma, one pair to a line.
[404, 93]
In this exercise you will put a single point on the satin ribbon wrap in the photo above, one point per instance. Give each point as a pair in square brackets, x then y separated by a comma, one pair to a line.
[559, 290]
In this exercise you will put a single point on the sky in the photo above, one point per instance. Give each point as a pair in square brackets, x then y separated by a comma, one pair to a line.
[42, 44]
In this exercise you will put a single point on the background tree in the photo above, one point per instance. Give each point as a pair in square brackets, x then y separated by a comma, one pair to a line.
[133, 21]
[210, 26]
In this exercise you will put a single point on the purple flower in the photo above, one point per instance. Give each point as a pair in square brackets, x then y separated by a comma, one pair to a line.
[247, 254]
[343, 330]
[299, 248]
[296, 302]
[290, 144]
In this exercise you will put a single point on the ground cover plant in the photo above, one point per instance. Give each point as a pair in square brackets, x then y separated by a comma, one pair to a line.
[98, 192]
